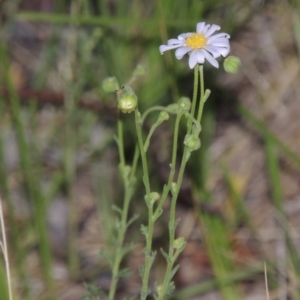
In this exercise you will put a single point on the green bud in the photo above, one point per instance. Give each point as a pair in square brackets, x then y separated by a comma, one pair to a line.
[126, 171]
[206, 94]
[173, 187]
[110, 84]
[231, 64]
[179, 243]
[153, 197]
[163, 116]
[192, 142]
[196, 129]
[184, 103]
[127, 100]
[159, 289]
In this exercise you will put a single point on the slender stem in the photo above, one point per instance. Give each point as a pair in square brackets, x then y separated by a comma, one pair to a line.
[127, 197]
[151, 109]
[195, 93]
[121, 142]
[148, 258]
[135, 161]
[173, 222]
[152, 129]
[5, 253]
[172, 172]
[172, 226]
[201, 105]
[142, 152]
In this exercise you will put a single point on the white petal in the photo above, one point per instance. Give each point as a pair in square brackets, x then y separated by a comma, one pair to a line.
[220, 41]
[200, 27]
[164, 48]
[205, 28]
[174, 42]
[200, 56]
[210, 59]
[212, 29]
[224, 51]
[215, 51]
[180, 52]
[193, 59]
[220, 46]
[220, 35]
[183, 36]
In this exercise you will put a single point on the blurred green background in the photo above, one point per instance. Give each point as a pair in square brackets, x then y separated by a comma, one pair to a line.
[239, 205]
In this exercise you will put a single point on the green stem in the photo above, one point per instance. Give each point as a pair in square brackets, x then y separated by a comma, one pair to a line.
[202, 100]
[195, 93]
[142, 152]
[173, 223]
[127, 197]
[148, 258]
[152, 129]
[151, 109]
[172, 227]
[172, 172]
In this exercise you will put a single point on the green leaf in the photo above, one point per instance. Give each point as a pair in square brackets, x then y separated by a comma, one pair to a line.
[165, 255]
[144, 230]
[124, 273]
[92, 291]
[127, 248]
[108, 257]
[117, 209]
[141, 270]
[173, 272]
[131, 220]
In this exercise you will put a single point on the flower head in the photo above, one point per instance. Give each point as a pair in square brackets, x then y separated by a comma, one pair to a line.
[200, 45]
[127, 100]
[231, 64]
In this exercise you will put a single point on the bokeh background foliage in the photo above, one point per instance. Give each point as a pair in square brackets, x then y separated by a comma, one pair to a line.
[239, 206]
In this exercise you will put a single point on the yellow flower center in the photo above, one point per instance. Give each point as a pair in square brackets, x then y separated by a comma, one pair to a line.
[196, 41]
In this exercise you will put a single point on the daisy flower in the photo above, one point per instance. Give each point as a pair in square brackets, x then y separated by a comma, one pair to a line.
[200, 45]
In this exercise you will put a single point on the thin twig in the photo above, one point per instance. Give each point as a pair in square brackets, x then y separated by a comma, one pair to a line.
[5, 252]
[266, 281]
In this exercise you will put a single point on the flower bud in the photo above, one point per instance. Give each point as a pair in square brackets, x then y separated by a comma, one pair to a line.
[110, 84]
[126, 171]
[192, 142]
[159, 289]
[173, 188]
[153, 197]
[127, 100]
[163, 116]
[185, 103]
[231, 64]
[179, 243]
[206, 94]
